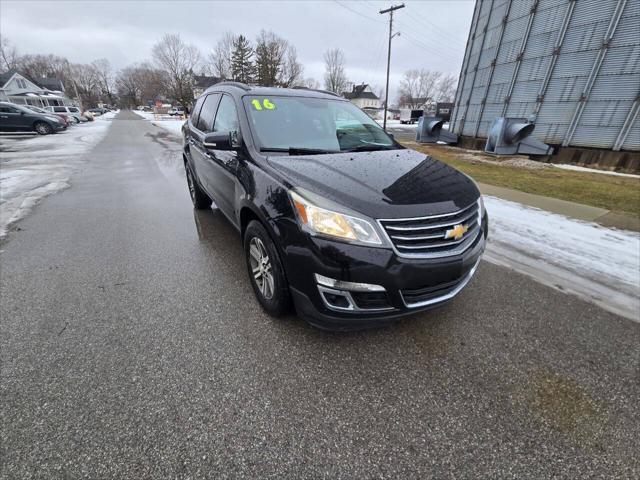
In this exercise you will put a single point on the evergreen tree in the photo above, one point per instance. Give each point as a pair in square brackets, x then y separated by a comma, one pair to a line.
[270, 54]
[242, 60]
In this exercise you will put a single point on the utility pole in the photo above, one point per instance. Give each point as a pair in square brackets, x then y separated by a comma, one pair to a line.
[390, 11]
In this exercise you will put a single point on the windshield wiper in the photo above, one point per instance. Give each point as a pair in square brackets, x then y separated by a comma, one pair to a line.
[300, 150]
[370, 148]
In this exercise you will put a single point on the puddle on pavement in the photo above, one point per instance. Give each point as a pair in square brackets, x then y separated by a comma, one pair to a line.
[566, 407]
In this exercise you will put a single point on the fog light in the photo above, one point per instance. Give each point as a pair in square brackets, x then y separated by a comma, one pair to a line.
[351, 286]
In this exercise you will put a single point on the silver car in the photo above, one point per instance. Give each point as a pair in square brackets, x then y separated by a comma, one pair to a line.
[73, 112]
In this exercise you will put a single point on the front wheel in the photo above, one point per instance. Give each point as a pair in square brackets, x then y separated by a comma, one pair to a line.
[42, 128]
[265, 270]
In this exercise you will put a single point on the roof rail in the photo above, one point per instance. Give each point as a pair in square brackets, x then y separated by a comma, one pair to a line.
[241, 85]
[300, 87]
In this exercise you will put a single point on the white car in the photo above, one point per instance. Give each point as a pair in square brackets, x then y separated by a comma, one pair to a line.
[176, 111]
[73, 112]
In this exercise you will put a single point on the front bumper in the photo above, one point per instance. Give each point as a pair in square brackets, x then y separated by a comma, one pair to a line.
[410, 284]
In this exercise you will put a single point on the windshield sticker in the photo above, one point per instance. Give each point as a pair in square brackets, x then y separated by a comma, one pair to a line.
[266, 104]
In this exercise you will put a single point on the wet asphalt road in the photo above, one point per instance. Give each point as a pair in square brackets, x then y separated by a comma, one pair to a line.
[132, 347]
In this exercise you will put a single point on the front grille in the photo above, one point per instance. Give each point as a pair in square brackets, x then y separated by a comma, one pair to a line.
[427, 236]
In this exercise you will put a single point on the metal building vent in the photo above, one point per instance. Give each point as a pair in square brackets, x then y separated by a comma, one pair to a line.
[430, 131]
[512, 136]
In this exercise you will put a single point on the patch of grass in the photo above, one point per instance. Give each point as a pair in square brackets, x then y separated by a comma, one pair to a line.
[615, 193]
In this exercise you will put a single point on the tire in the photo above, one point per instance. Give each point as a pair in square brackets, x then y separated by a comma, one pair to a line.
[42, 128]
[201, 200]
[76, 120]
[266, 274]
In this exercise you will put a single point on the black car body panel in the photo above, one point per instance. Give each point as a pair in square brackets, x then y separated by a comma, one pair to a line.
[396, 183]
[381, 184]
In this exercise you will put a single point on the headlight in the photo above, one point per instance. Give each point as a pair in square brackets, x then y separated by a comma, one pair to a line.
[334, 224]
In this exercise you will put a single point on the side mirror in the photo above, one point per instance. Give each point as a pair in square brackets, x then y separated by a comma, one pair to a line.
[221, 141]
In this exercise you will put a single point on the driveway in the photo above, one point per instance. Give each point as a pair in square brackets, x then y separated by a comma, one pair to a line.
[131, 346]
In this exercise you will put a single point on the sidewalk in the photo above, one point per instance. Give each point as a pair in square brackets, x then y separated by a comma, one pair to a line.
[574, 210]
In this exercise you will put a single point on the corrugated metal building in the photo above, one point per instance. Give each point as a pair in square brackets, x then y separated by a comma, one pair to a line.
[572, 66]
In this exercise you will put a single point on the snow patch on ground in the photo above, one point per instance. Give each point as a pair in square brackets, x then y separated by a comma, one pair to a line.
[167, 122]
[599, 264]
[578, 168]
[34, 166]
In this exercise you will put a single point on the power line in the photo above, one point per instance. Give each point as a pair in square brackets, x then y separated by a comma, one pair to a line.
[357, 12]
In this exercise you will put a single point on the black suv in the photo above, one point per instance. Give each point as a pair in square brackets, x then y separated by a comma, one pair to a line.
[335, 215]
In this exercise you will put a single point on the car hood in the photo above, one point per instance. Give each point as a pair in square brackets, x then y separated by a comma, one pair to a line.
[381, 184]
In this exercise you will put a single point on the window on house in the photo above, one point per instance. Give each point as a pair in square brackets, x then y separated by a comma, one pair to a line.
[21, 83]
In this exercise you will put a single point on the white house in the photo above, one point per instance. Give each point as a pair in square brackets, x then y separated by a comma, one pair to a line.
[362, 96]
[17, 88]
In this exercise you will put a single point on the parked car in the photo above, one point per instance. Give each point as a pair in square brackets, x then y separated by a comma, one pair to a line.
[336, 217]
[73, 112]
[65, 119]
[15, 118]
[410, 116]
[176, 111]
[98, 111]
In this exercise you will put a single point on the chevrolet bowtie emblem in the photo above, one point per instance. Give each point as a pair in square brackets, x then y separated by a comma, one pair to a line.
[456, 232]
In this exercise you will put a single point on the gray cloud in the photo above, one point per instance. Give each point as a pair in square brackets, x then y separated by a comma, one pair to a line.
[433, 33]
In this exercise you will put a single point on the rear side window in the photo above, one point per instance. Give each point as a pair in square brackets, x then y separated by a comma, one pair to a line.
[59, 109]
[195, 113]
[205, 119]
[8, 110]
[73, 110]
[227, 117]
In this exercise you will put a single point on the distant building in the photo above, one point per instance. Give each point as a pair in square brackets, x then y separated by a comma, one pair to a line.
[202, 82]
[17, 88]
[427, 104]
[363, 97]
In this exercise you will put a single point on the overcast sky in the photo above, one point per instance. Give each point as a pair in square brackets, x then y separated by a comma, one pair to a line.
[432, 33]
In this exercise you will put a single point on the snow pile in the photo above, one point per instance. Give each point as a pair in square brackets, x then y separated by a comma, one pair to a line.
[599, 264]
[167, 122]
[33, 166]
[578, 168]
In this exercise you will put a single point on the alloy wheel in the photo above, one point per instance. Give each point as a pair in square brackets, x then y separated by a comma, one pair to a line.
[42, 128]
[261, 267]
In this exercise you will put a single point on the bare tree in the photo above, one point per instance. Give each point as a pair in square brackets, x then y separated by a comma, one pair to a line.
[334, 77]
[8, 55]
[86, 83]
[138, 83]
[178, 60]
[418, 86]
[292, 70]
[104, 76]
[220, 59]
[446, 89]
[39, 66]
[311, 82]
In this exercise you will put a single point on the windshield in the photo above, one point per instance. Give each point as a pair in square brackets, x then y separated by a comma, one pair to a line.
[313, 125]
